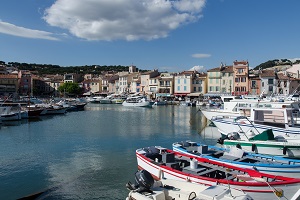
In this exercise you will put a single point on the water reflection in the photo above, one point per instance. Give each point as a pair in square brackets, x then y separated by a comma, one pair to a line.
[89, 154]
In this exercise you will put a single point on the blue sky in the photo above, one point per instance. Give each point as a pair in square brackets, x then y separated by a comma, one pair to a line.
[169, 35]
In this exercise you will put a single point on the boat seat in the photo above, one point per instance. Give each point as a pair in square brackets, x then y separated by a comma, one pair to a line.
[229, 157]
[218, 154]
[174, 165]
[194, 171]
[206, 172]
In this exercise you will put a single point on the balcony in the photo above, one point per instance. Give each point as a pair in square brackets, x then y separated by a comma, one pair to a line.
[241, 73]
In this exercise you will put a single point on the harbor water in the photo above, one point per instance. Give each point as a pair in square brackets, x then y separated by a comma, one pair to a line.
[89, 154]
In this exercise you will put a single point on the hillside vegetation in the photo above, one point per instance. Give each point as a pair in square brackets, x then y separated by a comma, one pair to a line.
[276, 62]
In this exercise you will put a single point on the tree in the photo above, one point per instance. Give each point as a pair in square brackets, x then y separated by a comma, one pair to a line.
[70, 89]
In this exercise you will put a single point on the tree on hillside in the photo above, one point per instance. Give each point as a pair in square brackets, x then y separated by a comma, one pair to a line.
[268, 64]
[70, 89]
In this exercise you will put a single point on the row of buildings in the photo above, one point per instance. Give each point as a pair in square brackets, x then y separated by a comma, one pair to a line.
[235, 79]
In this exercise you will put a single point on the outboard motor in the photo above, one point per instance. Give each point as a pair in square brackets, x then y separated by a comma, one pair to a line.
[143, 182]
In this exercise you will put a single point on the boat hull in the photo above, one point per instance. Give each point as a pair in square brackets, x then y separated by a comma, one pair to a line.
[210, 113]
[139, 104]
[256, 192]
[279, 165]
[224, 125]
[265, 147]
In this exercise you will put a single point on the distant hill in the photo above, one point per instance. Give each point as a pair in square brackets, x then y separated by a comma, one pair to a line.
[56, 69]
[277, 62]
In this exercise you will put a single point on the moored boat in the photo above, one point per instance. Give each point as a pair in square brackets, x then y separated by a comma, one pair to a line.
[263, 143]
[137, 101]
[10, 113]
[284, 122]
[237, 157]
[145, 188]
[164, 163]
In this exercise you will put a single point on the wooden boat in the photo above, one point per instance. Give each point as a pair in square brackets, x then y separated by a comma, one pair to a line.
[145, 188]
[167, 164]
[237, 157]
[263, 143]
[31, 112]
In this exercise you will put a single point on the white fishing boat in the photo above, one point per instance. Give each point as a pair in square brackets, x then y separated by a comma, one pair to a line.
[284, 122]
[235, 106]
[137, 101]
[263, 143]
[106, 100]
[162, 163]
[275, 165]
[10, 113]
[145, 188]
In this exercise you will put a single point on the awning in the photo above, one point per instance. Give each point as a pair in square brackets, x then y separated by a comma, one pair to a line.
[212, 94]
[180, 94]
[163, 95]
[195, 94]
[216, 94]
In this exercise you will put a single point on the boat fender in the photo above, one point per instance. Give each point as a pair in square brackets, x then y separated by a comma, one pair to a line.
[238, 146]
[253, 147]
[284, 150]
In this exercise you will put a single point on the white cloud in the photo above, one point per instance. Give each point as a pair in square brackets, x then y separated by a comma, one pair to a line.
[201, 55]
[122, 19]
[12, 29]
[198, 68]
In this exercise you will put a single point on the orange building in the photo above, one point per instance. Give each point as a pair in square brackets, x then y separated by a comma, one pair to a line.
[240, 77]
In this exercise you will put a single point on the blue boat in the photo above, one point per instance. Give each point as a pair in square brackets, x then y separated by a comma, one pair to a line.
[237, 157]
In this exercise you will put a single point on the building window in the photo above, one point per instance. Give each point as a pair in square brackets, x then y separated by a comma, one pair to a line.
[195, 89]
[217, 89]
[263, 84]
[237, 80]
[223, 82]
[184, 88]
[270, 81]
[243, 79]
[184, 81]
[210, 88]
[178, 81]
[178, 88]
[200, 89]
[253, 84]
[270, 88]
